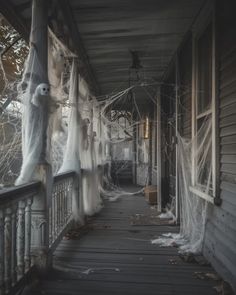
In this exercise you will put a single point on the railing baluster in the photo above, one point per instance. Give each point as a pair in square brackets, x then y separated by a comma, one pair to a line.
[13, 245]
[58, 208]
[62, 207]
[71, 186]
[65, 208]
[55, 213]
[1, 252]
[7, 249]
[17, 216]
[28, 234]
[21, 240]
[68, 201]
[15, 234]
[63, 204]
[50, 224]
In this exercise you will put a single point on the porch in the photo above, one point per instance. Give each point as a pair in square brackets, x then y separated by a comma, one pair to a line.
[136, 91]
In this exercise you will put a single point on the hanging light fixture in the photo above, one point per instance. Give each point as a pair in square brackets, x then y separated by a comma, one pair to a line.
[146, 128]
[136, 73]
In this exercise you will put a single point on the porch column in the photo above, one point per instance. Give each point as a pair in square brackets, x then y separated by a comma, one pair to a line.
[159, 198]
[150, 166]
[176, 135]
[134, 149]
[42, 202]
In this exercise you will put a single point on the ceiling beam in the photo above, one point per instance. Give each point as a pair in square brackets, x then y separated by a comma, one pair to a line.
[85, 66]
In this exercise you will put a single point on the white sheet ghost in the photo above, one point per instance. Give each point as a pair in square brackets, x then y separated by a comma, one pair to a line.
[85, 124]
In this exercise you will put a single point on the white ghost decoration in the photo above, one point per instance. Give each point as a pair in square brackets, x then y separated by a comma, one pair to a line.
[41, 91]
[85, 123]
[58, 63]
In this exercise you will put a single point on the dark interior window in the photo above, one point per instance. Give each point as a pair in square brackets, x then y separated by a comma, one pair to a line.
[204, 75]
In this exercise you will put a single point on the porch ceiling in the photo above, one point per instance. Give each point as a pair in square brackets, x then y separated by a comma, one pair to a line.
[110, 29]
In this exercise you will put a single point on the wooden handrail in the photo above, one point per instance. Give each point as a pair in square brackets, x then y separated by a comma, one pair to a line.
[64, 175]
[18, 193]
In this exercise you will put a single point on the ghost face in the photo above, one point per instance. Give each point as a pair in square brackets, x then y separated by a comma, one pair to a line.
[43, 89]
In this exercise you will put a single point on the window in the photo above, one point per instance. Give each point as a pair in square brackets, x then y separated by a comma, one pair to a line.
[204, 71]
[122, 127]
[203, 152]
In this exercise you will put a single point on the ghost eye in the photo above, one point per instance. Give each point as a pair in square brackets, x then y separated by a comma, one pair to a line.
[44, 89]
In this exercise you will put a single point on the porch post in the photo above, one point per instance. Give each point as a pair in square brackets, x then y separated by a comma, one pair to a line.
[176, 135]
[135, 148]
[159, 198]
[150, 148]
[42, 202]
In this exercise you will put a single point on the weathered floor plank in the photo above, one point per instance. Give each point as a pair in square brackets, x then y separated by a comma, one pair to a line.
[115, 257]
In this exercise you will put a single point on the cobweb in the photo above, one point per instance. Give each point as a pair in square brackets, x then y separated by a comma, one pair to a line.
[10, 149]
[83, 130]
[13, 52]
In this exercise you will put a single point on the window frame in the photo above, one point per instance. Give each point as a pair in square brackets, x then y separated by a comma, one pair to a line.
[206, 18]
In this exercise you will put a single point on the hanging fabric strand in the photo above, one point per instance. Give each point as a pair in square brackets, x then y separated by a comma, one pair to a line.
[34, 93]
[71, 159]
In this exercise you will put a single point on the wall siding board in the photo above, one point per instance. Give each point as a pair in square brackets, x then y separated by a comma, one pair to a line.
[230, 198]
[220, 237]
[227, 111]
[228, 121]
[228, 207]
[228, 100]
[227, 241]
[228, 149]
[228, 187]
[229, 82]
[228, 177]
[229, 159]
[227, 74]
[226, 131]
[229, 168]
[220, 234]
[219, 253]
[217, 263]
[230, 89]
[228, 140]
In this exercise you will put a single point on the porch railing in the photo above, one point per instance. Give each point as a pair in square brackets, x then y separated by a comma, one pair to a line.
[15, 234]
[20, 221]
[60, 212]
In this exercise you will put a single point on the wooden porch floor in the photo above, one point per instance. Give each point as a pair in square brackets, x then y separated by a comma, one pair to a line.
[115, 257]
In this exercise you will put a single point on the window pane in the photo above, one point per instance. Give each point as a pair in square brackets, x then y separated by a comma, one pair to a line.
[204, 63]
[204, 154]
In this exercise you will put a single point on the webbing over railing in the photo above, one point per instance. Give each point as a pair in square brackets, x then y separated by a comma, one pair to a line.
[22, 226]
[15, 233]
[60, 212]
